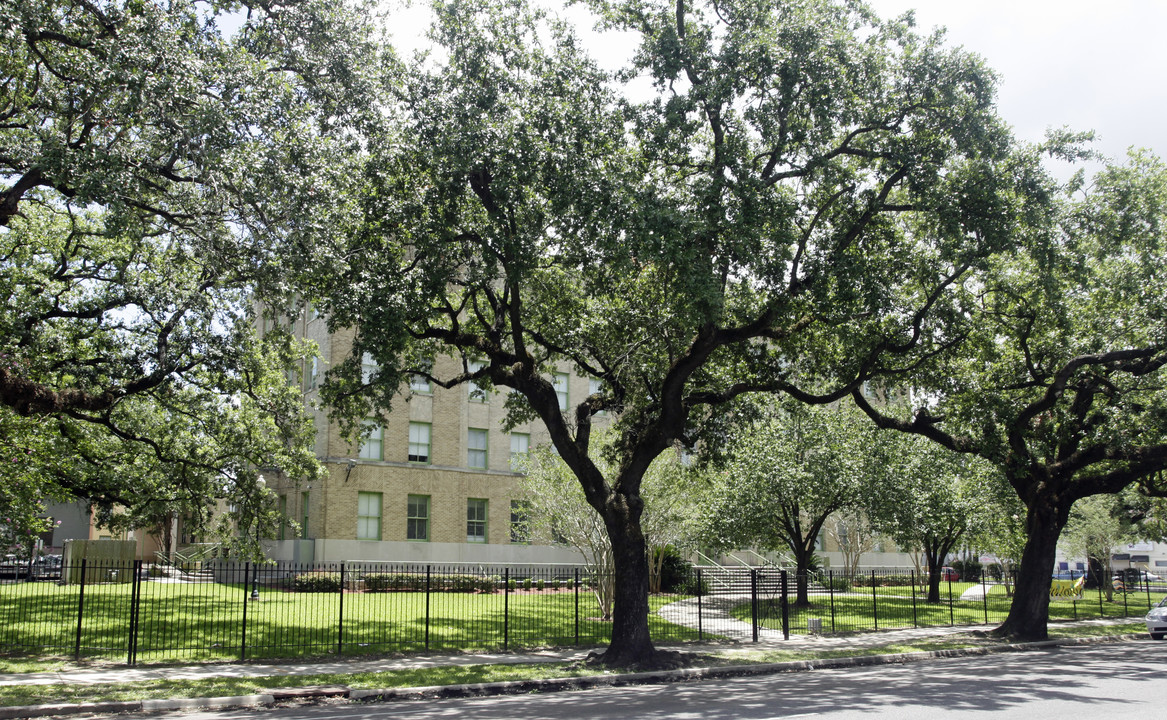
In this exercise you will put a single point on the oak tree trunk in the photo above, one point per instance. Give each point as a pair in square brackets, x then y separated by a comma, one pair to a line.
[631, 643]
[1028, 617]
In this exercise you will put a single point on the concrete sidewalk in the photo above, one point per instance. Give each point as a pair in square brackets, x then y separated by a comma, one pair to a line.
[274, 696]
[768, 641]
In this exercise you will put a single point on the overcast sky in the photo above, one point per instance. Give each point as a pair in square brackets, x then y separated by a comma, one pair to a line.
[1092, 65]
[1087, 64]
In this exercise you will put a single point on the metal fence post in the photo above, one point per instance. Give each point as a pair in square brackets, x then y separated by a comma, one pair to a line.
[80, 612]
[506, 608]
[915, 616]
[754, 601]
[340, 616]
[831, 590]
[700, 626]
[427, 607]
[985, 595]
[135, 603]
[1147, 585]
[874, 602]
[577, 606]
[785, 609]
[247, 581]
[951, 612]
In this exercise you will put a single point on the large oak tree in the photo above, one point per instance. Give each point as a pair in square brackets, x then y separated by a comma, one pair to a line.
[152, 165]
[770, 189]
[1062, 383]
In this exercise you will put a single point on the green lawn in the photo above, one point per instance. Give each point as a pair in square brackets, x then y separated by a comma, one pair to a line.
[894, 607]
[205, 622]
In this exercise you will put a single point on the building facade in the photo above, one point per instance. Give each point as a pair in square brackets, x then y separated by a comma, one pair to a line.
[437, 482]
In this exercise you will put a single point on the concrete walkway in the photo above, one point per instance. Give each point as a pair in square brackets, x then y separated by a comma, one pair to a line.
[770, 641]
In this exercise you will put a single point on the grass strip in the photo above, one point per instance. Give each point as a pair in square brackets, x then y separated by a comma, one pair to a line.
[18, 695]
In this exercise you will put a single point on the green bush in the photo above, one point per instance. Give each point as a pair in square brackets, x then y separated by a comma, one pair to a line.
[840, 583]
[540, 584]
[512, 584]
[316, 582]
[526, 583]
[676, 573]
[387, 582]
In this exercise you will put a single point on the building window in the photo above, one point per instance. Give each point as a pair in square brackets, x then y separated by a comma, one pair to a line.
[420, 385]
[304, 514]
[369, 368]
[520, 445]
[283, 517]
[419, 442]
[417, 518]
[313, 372]
[476, 392]
[520, 521]
[368, 516]
[476, 448]
[475, 521]
[559, 381]
[371, 441]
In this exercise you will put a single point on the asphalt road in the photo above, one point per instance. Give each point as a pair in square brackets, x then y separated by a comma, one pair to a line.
[1113, 681]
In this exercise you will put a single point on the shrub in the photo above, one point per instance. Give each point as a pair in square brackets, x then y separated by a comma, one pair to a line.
[316, 582]
[840, 583]
[526, 583]
[386, 582]
[540, 584]
[675, 572]
[489, 584]
[512, 584]
[461, 583]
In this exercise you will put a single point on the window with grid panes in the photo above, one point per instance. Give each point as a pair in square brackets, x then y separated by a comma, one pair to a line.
[475, 520]
[476, 448]
[419, 442]
[368, 516]
[417, 517]
[520, 521]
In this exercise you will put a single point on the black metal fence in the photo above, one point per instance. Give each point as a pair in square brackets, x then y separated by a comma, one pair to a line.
[245, 611]
[831, 602]
[140, 612]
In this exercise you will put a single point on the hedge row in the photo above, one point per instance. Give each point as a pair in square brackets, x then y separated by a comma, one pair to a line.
[415, 582]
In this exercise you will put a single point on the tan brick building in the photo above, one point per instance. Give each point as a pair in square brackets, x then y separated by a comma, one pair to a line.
[434, 484]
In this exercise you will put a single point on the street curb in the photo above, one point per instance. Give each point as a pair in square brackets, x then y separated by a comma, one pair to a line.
[510, 687]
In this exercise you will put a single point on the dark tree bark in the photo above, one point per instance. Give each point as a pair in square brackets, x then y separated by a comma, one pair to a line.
[1028, 617]
[631, 643]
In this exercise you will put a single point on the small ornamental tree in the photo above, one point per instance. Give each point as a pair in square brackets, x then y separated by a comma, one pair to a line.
[927, 497]
[790, 471]
[795, 188]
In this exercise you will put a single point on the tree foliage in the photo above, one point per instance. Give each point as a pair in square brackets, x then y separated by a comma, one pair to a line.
[797, 192]
[152, 169]
[1061, 383]
[927, 497]
[788, 473]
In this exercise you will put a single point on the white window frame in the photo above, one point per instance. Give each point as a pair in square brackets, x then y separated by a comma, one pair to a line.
[474, 391]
